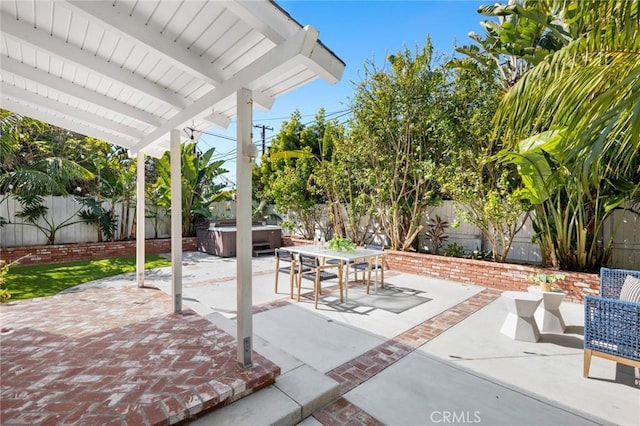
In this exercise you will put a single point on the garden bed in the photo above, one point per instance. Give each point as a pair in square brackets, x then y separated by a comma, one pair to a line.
[502, 276]
[89, 251]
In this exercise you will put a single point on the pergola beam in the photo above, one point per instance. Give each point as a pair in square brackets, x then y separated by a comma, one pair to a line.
[113, 16]
[76, 126]
[59, 84]
[40, 40]
[64, 109]
[261, 69]
[263, 17]
[220, 120]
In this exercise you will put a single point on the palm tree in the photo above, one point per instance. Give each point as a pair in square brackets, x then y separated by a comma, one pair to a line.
[31, 179]
[524, 33]
[48, 175]
[573, 122]
[589, 89]
[199, 190]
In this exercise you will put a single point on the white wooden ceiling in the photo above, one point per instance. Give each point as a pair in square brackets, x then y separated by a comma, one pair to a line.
[130, 71]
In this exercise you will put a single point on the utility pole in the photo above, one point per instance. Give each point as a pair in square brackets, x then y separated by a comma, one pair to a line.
[264, 139]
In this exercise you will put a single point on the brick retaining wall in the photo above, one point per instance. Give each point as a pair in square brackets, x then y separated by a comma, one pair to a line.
[89, 251]
[502, 276]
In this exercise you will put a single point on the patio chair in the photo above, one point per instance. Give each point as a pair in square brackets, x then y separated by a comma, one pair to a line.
[371, 264]
[612, 324]
[293, 269]
[318, 273]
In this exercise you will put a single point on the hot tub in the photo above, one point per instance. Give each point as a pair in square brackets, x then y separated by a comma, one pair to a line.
[221, 240]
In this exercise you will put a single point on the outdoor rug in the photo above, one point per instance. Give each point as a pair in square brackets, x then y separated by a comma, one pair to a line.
[390, 298]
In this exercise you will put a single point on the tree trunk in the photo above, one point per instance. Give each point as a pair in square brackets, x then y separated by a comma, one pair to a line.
[124, 221]
[134, 224]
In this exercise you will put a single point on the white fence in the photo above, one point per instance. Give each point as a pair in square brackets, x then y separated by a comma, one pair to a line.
[62, 210]
[625, 253]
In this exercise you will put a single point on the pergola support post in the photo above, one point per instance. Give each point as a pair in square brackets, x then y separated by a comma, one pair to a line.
[140, 219]
[176, 223]
[244, 248]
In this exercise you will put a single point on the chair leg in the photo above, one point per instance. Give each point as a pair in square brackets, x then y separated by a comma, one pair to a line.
[299, 281]
[291, 284]
[587, 362]
[368, 278]
[277, 273]
[341, 283]
[291, 273]
[381, 274]
[317, 289]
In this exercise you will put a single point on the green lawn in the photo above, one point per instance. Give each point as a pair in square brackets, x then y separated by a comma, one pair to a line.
[26, 282]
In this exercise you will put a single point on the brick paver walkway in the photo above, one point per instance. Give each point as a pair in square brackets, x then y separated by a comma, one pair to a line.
[114, 356]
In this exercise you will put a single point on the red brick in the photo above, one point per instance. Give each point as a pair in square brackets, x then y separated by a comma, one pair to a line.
[503, 276]
[89, 251]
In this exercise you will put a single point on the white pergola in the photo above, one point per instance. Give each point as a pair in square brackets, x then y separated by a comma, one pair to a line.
[136, 72]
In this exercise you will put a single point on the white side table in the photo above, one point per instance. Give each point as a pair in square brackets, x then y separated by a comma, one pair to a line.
[520, 323]
[548, 313]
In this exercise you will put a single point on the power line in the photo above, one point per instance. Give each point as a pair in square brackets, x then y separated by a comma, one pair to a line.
[232, 155]
[218, 135]
[342, 114]
[302, 115]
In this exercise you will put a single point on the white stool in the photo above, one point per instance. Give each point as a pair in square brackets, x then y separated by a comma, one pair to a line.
[520, 324]
[548, 313]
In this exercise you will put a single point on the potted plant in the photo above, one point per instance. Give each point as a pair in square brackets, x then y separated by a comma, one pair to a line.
[544, 280]
[341, 244]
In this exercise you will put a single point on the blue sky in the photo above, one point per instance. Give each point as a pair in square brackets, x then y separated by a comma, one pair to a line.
[357, 31]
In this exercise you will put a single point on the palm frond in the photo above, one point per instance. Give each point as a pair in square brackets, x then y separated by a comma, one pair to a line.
[591, 87]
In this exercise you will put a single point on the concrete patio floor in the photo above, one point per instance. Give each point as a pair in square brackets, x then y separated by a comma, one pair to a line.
[423, 351]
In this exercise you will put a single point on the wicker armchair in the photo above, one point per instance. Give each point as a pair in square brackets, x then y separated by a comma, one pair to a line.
[611, 326]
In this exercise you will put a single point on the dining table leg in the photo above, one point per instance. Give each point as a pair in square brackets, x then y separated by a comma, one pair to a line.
[346, 283]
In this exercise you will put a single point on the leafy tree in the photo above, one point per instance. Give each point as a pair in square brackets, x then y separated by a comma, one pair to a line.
[9, 137]
[347, 175]
[574, 120]
[118, 180]
[292, 174]
[589, 89]
[30, 165]
[568, 222]
[482, 186]
[400, 127]
[524, 33]
[199, 189]
[32, 168]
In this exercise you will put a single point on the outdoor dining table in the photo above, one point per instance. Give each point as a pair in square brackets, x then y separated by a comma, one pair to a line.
[346, 257]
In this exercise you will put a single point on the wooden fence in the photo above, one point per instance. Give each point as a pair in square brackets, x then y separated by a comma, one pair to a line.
[625, 254]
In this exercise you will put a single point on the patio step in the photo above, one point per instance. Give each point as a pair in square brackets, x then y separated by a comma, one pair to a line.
[309, 388]
[294, 397]
[268, 406]
[262, 247]
[298, 392]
